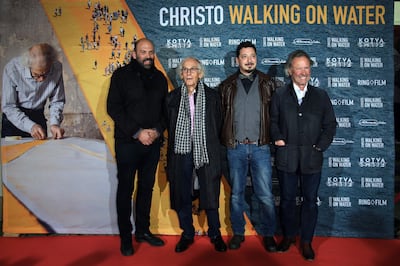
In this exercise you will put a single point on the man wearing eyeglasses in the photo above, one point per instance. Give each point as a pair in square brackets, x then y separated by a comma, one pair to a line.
[28, 82]
[194, 124]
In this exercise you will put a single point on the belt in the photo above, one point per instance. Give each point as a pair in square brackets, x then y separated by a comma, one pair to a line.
[247, 141]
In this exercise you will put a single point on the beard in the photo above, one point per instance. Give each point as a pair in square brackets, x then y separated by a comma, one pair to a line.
[249, 68]
[147, 66]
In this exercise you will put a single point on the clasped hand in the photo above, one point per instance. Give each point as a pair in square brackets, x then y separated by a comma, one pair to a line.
[147, 136]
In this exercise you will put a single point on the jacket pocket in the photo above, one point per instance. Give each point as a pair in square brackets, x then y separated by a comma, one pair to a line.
[281, 156]
[315, 160]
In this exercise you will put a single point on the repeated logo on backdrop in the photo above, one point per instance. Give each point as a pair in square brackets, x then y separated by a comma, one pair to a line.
[350, 45]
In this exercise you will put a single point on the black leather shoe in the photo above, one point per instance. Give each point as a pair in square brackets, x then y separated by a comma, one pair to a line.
[126, 248]
[219, 244]
[235, 242]
[149, 238]
[285, 244]
[183, 244]
[269, 243]
[307, 251]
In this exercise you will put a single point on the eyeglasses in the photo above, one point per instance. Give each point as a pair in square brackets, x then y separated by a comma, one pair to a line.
[189, 70]
[42, 76]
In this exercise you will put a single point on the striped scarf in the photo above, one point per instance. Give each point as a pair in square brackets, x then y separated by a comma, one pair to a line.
[183, 137]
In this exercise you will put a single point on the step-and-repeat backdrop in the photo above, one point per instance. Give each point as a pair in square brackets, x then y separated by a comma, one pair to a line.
[69, 186]
[351, 45]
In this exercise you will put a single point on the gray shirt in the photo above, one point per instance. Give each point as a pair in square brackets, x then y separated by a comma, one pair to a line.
[21, 90]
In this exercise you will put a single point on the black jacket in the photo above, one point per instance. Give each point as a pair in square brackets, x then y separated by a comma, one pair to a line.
[136, 99]
[210, 174]
[307, 129]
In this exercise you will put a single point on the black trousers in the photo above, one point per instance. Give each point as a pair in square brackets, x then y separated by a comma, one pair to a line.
[135, 158]
[309, 184]
[185, 215]
[8, 128]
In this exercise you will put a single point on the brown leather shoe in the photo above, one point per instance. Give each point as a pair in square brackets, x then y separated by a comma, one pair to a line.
[307, 251]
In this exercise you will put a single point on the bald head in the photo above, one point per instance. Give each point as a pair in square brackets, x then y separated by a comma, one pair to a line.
[144, 53]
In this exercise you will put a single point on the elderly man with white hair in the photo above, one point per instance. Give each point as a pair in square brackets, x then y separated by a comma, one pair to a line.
[28, 82]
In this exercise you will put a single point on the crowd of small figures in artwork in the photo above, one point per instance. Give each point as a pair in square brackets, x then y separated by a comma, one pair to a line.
[122, 48]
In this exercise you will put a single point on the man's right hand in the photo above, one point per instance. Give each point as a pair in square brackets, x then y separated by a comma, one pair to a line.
[147, 136]
[37, 132]
[280, 142]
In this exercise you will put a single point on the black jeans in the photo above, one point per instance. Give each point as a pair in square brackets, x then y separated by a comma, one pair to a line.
[135, 158]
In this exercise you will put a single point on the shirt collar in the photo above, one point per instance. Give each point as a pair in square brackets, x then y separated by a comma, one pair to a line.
[300, 93]
[27, 73]
[249, 77]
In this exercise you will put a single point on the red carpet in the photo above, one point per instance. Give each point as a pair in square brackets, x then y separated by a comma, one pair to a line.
[104, 250]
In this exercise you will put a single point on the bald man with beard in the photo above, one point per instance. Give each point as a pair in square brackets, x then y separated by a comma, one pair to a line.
[136, 103]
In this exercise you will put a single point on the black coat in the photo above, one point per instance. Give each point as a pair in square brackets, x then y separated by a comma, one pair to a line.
[307, 129]
[210, 174]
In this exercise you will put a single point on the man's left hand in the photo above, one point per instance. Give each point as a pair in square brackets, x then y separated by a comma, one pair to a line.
[57, 132]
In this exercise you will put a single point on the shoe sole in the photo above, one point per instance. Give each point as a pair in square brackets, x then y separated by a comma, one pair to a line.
[235, 247]
[127, 253]
[182, 250]
[282, 251]
[151, 244]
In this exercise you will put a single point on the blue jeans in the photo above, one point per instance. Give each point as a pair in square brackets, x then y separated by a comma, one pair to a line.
[258, 158]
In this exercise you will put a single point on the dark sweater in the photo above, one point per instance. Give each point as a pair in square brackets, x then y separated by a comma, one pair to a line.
[136, 100]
